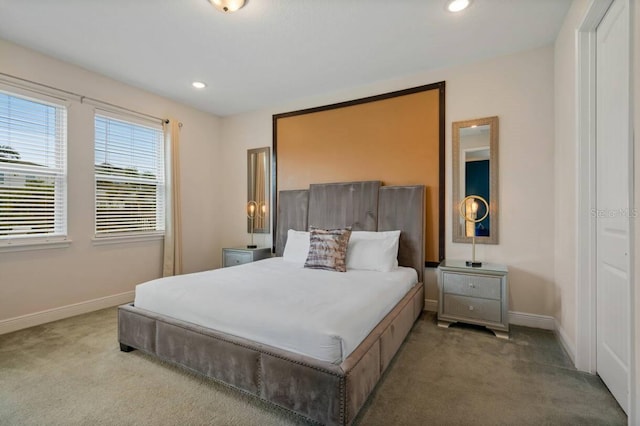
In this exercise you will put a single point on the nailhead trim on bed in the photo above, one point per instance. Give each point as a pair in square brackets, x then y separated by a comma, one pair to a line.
[343, 400]
[259, 371]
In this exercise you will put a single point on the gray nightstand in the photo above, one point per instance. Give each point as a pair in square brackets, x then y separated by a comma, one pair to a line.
[474, 295]
[240, 255]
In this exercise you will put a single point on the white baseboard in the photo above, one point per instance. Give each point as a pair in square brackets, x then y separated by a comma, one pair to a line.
[544, 322]
[566, 343]
[516, 318]
[431, 305]
[43, 317]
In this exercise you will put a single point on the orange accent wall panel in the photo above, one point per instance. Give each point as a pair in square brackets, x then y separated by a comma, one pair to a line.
[395, 140]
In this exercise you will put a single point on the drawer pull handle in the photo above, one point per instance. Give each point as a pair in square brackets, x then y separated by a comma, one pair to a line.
[472, 285]
[470, 308]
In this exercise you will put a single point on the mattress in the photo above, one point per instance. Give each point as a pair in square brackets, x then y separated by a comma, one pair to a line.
[321, 314]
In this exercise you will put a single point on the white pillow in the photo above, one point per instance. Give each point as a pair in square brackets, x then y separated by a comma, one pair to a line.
[297, 248]
[373, 251]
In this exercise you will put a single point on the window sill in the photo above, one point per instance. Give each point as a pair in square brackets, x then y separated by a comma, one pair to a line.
[28, 245]
[123, 239]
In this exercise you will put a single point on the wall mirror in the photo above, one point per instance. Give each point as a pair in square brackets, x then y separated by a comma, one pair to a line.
[475, 172]
[258, 185]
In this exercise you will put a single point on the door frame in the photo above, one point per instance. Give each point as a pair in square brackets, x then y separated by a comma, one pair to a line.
[585, 355]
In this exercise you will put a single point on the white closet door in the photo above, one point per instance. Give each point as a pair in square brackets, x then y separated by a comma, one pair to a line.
[613, 165]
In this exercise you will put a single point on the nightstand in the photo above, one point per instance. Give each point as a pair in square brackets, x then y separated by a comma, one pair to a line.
[240, 255]
[474, 295]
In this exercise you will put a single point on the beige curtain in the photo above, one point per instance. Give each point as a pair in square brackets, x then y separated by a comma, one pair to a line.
[172, 264]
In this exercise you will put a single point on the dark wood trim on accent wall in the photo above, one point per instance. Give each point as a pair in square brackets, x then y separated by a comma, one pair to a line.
[440, 86]
[373, 98]
[442, 123]
[274, 183]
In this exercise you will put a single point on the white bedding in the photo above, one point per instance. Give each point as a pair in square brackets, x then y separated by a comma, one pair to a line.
[322, 314]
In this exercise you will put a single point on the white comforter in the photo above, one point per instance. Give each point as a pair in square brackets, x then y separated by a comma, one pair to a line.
[322, 314]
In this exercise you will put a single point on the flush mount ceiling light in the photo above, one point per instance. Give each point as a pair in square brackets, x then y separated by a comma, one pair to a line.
[227, 6]
[458, 5]
[198, 85]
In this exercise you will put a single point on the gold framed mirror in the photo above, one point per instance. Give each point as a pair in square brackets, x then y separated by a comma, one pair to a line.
[475, 172]
[258, 184]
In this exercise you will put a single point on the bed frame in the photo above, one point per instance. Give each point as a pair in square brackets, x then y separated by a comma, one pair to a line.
[326, 393]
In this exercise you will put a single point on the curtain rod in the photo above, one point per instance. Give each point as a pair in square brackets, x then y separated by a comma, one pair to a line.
[80, 97]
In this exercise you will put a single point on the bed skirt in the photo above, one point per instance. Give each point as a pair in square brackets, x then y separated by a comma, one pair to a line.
[330, 394]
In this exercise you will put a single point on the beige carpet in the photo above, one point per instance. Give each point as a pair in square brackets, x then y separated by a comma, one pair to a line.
[71, 372]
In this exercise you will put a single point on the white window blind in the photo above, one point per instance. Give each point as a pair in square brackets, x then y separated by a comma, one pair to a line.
[33, 169]
[129, 177]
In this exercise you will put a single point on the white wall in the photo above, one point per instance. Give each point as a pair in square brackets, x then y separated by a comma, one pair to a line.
[35, 281]
[517, 88]
[636, 283]
[240, 133]
[566, 185]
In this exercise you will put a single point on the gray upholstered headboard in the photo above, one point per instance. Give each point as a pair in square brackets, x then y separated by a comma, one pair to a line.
[365, 206]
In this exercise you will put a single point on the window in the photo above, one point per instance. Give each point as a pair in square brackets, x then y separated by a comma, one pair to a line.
[33, 167]
[129, 174]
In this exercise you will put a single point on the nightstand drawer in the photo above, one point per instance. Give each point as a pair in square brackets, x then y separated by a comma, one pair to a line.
[469, 307]
[472, 285]
[232, 258]
[239, 256]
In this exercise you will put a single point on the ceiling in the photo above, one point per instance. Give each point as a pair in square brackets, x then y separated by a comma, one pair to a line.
[273, 51]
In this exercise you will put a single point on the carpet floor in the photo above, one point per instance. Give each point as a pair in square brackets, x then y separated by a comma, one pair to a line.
[71, 372]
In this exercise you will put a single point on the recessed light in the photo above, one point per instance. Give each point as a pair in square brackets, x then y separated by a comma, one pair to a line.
[458, 5]
[198, 85]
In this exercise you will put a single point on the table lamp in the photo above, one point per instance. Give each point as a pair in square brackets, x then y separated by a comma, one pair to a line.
[468, 209]
[252, 210]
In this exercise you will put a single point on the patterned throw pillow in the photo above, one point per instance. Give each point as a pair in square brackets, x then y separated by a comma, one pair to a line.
[328, 249]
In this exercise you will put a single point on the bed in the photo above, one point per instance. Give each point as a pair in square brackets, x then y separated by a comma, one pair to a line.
[329, 382]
